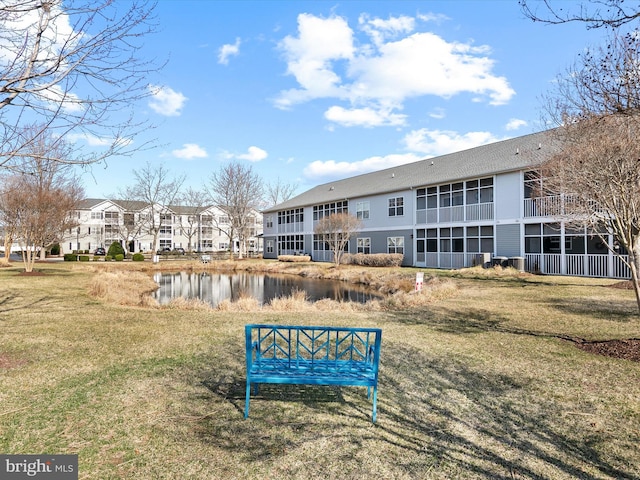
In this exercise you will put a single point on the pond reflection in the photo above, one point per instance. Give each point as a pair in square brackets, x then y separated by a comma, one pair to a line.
[213, 288]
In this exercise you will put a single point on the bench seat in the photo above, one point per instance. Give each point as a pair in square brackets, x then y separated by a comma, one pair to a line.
[312, 356]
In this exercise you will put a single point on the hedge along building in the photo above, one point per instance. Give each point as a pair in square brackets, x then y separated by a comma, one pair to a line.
[452, 211]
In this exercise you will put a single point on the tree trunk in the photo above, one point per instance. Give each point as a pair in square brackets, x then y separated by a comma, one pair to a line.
[7, 247]
[634, 263]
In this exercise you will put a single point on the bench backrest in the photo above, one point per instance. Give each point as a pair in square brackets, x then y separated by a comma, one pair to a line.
[311, 344]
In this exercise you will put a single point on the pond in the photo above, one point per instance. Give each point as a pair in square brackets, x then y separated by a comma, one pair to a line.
[213, 288]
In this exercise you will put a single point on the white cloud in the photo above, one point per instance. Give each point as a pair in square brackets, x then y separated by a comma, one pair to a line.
[327, 61]
[228, 50]
[309, 56]
[331, 170]
[380, 30]
[433, 17]
[91, 140]
[515, 124]
[190, 151]
[166, 101]
[440, 142]
[254, 154]
[365, 117]
[438, 113]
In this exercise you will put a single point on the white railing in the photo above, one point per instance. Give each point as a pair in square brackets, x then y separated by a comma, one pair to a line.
[480, 211]
[294, 227]
[451, 214]
[580, 265]
[459, 213]
[543, 206]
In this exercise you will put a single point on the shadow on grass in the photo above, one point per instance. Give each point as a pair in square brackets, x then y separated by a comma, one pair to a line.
[438, 418]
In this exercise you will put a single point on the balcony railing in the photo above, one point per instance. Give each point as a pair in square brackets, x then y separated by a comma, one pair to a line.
[458, 213]
[580, 265]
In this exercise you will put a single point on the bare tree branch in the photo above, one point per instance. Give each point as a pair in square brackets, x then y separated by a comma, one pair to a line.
[237, 191]
[596, 172]
[594, 13]
[75, 67]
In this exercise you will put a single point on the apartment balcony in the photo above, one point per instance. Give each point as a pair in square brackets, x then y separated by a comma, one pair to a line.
[458, 213]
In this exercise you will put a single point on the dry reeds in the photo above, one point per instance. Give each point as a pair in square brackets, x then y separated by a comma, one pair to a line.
[123, 288]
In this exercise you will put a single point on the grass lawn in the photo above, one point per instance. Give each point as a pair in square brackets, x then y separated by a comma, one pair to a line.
[480, 384]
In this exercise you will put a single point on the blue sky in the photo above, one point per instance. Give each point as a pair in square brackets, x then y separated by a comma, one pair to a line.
[309, 92]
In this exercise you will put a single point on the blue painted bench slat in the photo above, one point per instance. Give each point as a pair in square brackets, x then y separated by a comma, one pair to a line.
[301, 355]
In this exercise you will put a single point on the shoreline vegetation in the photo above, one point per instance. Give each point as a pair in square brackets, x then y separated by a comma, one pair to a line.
[397, 285]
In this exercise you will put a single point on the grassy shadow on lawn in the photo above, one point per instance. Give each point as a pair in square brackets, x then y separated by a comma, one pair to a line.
[435, 415]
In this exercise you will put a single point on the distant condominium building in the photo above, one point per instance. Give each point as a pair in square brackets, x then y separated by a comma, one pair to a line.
[102, 222]
[453, 211]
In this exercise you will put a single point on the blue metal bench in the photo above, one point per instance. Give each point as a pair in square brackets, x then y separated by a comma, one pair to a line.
[312, 356]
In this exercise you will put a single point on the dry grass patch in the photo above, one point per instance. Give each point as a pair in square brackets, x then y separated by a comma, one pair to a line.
[123, 287]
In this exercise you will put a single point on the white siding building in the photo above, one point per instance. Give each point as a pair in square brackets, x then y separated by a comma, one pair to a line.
[101, 222]
[452, 211]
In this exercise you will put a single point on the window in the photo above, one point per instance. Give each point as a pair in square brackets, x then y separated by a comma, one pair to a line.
[480, 239]
[223, 246]
[321, 211]
[395, 245]
[291, 216]
[269, 246]
[269, 221]
[166, 219]
[207, 219]
[111, 217]
[452, 240]
[479, 191]
[96, 215]
[364, 245]
[532, 185]
[396, 207]
[457, 194]
[362, 210]
[421, 199]
[291, 243]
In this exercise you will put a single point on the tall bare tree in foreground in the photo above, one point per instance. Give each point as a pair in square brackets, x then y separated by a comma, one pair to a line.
[238, 192]
[38, 205]
[74, 67]
[597, 168]
[336, 230]
[594, 13]
[156, 189]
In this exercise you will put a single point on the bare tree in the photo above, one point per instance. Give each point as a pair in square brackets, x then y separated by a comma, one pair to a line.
[336, 230]
[75, 67]
[192, 204]
[596, 172]
[279, 191]
[38, 205]
[237, 191]
[134, 222]
[156, 189]
[594, 13]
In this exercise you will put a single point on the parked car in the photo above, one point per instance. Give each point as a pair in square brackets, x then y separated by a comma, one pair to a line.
[178, 251]
[100, 251]
[164, 251]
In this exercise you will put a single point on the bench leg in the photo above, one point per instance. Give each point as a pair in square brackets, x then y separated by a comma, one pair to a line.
[246, 401]
[375, 404]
